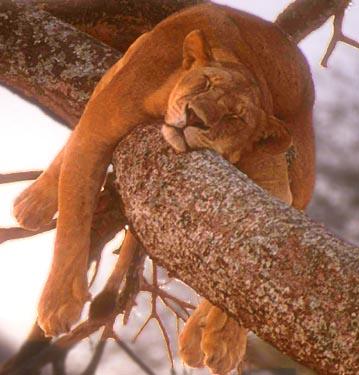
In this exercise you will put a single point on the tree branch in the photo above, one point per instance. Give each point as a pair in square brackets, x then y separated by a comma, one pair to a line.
[6, 178]
[15, 233]
[266, 264]
[302, 17]
[338, 36]
[48, 60]
[117, 23]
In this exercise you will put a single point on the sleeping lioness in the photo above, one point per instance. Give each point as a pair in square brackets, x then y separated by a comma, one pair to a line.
[223, 79]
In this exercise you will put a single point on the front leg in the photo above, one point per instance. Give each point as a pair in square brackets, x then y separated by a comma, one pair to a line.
[83, 171]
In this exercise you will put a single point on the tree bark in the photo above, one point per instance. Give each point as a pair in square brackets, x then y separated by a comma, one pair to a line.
[117, 23]
[302, 17]
[48, 60]
[266, 264]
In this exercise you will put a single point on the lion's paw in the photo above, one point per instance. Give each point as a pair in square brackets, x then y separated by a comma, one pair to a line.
[61, 305]
[36, 205]
[223, 342]
[189, 342]
[211, 338]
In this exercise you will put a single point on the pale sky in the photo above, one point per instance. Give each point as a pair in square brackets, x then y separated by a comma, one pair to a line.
[29, 140]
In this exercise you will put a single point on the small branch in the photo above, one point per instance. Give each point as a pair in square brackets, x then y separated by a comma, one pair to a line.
[104, 305]
[6, 178]
[156, 292]
[338, 36]
[96, 358]
[108, 219]
[59, 364]
[15, 233]
[132, 355]
[170, 301]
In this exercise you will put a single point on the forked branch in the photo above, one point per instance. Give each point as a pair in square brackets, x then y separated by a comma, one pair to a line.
[338, 36]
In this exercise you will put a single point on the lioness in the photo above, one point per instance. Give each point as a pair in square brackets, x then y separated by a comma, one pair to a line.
[223, 79]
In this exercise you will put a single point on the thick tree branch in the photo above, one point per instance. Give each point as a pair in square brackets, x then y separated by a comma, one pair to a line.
[269, 266]
[302, 17]
[115, 22]
[48, 60]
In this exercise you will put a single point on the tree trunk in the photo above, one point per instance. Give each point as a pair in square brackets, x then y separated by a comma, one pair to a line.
[266, 264]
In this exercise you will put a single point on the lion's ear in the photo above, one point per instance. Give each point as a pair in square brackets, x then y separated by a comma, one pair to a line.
[277, 137]
[196, 50]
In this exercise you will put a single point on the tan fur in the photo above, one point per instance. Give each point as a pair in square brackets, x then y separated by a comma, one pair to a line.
[257, 102]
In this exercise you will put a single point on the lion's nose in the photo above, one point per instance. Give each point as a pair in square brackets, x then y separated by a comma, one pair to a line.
[192, 119]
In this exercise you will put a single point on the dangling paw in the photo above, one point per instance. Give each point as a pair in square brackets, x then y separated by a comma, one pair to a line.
[190, 338]
[36, 205]
[223, 342]
[61, 303]
[211, 338]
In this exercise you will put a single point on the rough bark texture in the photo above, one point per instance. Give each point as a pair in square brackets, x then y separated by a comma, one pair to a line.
[49, 60]
[115, 22]
[304, 16]
[269, 266]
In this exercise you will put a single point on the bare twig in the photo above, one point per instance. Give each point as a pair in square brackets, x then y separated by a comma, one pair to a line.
[338, 36]
[104, 305]
[59, 364]
[171, 302]
[15, 233]
[177, 306]
[96, 358]
[6, 178]
[132, 355]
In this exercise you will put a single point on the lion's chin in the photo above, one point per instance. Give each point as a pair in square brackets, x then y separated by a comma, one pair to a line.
[174, 137]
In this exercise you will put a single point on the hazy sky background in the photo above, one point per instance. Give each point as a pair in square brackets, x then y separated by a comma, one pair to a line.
[29, 140]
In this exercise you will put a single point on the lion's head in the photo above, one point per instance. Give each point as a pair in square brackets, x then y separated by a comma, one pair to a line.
[217, 106]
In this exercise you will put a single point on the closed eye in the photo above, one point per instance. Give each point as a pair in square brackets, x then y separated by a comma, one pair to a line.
[233, 116]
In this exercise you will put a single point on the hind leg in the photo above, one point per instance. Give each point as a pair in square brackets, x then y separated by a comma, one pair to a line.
[37, 204]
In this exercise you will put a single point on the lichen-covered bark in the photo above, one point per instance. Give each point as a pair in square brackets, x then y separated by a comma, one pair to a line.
[268, 265]
[50, 61]
[282, 275]
[115, 22]
[304, 16]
